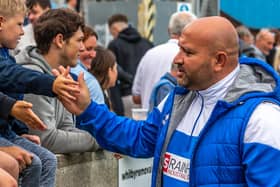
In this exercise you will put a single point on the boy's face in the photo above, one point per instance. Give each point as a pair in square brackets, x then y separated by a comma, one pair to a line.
[11, 30]
[72, 48]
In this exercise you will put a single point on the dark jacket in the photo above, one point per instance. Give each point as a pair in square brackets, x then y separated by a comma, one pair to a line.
[128, 47]
[6, 104]
[15, 80]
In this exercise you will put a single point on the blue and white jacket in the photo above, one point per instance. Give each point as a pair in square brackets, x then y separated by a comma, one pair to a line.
[221, 157]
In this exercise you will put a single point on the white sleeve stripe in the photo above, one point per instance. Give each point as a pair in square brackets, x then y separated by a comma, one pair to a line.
[264, 126]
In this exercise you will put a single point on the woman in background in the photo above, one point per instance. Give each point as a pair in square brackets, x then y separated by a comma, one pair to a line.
[104, 68]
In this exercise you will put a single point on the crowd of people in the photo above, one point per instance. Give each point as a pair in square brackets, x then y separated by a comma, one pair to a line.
[213, 112]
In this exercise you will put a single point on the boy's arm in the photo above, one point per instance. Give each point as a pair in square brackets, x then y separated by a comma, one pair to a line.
[17, 79]
[6, 104]
[21, 110]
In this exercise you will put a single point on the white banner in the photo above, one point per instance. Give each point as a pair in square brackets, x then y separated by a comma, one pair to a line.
[135, 172]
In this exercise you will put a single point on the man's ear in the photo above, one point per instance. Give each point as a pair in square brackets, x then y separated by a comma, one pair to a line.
[221, 59]
[59, 40]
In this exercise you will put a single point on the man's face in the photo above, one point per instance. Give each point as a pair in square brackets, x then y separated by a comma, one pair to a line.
[71, 49]
[11, 30]
[194, 62]
[114, 30]
[35, 12]
[266, 43]
[89, 52]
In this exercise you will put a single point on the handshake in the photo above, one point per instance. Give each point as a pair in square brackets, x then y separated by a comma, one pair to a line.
[74, 95]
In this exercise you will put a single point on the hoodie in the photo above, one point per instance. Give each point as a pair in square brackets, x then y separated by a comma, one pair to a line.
[61, 135]
[129, 47]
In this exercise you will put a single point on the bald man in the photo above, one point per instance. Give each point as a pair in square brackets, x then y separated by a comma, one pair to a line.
[264, 43]
[220, 127]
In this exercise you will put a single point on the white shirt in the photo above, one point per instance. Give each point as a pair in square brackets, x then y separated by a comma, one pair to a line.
[203, 105]
[154, 64]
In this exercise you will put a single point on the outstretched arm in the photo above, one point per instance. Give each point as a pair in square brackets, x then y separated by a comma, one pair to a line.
[16, 79]
[115, 133]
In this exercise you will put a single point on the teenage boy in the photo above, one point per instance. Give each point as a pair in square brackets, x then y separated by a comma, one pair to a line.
[59, 43]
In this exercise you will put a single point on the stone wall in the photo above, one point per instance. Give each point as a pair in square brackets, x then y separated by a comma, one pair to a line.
[98, 169]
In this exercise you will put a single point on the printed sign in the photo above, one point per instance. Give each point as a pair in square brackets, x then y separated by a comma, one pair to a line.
[135, 172]
[184, 7]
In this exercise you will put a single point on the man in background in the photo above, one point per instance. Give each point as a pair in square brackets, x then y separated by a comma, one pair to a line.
[128, 47]
[264, 43]
[157, 61]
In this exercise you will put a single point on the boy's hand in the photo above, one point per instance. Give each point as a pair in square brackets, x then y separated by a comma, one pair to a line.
[22, 111]
[64, 86]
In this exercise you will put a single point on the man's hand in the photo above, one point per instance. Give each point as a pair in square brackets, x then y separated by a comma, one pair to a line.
[23, 157]
[82, 99]
[64, 85]
[33, 138]
[22, 111]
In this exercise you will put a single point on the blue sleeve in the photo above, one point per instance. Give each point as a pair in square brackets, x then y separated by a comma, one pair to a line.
[18, 127]
[261, 146]
[6, 104]
[17, 79]
[121, 134]
[261, 165]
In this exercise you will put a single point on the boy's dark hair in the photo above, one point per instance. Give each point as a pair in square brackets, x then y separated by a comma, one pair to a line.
[42, 3]
[57, 21]
[117, 18]
[88, 32]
